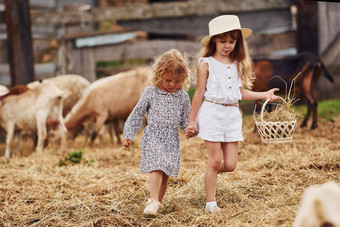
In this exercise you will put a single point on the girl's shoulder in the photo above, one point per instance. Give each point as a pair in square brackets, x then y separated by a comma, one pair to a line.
[204, 63]
[203, 59]
[149, 92]
[150, 89]
[184, 94]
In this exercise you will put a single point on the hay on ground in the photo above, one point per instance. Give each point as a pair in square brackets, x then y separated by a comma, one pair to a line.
[107, 188]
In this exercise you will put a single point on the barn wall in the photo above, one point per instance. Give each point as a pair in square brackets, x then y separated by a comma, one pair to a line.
[259, 21]
[271, 21]
[327, 90]
[329, 34]
[329, 23]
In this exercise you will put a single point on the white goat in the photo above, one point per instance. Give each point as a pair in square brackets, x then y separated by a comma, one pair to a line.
[320, 206]
[73, 85]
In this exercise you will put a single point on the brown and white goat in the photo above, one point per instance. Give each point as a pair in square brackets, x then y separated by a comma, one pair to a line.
[31, 111]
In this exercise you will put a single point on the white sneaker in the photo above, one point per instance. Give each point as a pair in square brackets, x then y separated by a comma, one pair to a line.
[212, 209]
[151, 207]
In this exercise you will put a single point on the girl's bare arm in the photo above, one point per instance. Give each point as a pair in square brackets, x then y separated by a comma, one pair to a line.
[202, 76]
[252, 95]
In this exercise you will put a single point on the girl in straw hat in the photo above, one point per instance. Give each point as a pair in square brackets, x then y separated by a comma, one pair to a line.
[167, 107]
[223, 70]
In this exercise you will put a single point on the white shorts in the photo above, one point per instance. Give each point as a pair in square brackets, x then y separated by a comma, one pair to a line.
[219, 123]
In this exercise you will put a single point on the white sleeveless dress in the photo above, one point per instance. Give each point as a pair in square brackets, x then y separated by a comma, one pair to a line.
[217, 123]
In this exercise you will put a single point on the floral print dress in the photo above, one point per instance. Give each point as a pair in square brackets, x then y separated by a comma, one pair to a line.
[160, 142]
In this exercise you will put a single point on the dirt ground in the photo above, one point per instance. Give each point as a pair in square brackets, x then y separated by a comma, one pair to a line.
[107, 189]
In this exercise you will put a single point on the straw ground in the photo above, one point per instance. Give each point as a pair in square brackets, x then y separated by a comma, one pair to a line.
[107, 189]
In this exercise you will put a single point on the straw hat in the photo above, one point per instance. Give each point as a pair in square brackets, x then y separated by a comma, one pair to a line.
[222, 24]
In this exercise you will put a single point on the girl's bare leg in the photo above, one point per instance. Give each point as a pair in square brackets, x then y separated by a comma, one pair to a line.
[155, 184]
[158, 185]
[230, 156]
[164, 186]
[214, 163]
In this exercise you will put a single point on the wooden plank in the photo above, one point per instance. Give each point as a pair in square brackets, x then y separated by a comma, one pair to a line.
[5, 80]
[143, 49]
[264, 44]
[39, 31]
[307, 22]
[104, 39]
[4, 69]
[85, 65]
[152, 48]
[197, 25]
[159, 10]
[43, 3]
[3, 52]
[41, 70]
[20, 53]
[329, 24]
[331, 55]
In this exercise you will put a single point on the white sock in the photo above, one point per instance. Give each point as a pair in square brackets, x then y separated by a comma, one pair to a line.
[211, 204]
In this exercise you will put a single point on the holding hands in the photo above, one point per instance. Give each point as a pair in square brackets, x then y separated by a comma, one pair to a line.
[126, 142]
[191, 130]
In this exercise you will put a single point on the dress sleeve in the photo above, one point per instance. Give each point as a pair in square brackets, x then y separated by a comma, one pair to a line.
[135, 119]
[185, 111]
[200, 59]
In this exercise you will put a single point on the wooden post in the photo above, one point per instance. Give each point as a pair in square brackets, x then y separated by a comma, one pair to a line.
[19, 41]
[307, 24]
[84, 62]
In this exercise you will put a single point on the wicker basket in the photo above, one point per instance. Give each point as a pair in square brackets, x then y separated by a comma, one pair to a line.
[275, 131]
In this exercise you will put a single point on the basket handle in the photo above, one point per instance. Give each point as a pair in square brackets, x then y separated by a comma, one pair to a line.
[265, 103]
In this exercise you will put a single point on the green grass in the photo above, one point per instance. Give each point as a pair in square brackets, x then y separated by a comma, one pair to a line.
[128, 62]
[327, 109]
[191, 92]
[103, 67]
[74, 157]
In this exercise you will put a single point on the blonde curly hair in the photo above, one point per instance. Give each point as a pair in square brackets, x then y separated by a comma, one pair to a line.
[171, 62]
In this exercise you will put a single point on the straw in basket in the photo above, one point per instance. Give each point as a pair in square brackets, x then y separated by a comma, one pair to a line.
[275, 131]
[278, 129]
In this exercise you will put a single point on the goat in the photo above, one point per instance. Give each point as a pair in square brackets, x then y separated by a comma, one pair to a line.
[287, 68]
[108, 99]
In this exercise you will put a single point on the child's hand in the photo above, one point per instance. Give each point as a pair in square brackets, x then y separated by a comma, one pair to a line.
[190, 133]
[126, 142]
[192, 130]
[270, 95]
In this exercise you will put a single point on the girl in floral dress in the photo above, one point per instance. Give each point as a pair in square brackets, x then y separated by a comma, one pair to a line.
[167, 107]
